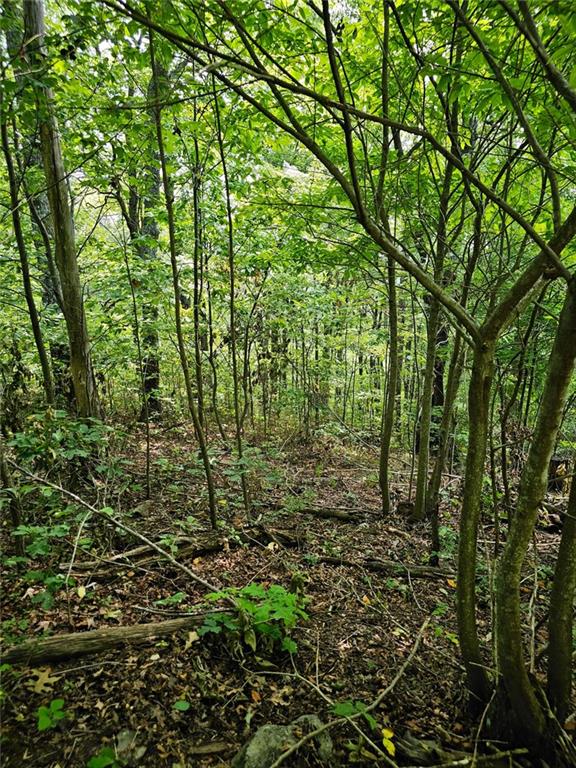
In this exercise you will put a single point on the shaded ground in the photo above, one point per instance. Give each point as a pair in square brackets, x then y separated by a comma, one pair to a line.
[362, 624]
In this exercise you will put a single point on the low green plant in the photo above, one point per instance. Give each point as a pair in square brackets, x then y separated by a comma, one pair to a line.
[348, 708]
[52, 583]
[263, 614]
[10, 630]
[6, 671]
[50, 716]
[106, 758]
[53, 439]
[357, 750]
[175, 599]
[40, 537]
[295, 504]
[397, 585]
[255, 466]
[448, 540]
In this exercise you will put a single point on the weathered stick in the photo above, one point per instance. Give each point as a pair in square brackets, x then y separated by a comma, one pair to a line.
[67, 646]
[191, 548]
[390, 566]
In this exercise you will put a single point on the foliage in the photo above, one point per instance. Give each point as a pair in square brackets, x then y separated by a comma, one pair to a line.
[52, 440]
[50, 716]
[181, 705]
[106, 758]
[265, 614]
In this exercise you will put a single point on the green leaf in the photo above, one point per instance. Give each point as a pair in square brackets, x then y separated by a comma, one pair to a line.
[181, 705]
[105, 758]
[345, 708]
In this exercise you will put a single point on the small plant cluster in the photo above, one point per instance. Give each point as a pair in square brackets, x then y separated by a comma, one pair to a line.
[357, 751]
[264, 614]
[52, 439]
[50, 716]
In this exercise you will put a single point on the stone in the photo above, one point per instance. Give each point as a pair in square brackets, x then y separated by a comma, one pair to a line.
[270, 741]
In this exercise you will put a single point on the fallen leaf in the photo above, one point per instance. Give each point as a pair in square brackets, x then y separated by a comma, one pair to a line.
[281, 697]
[44, 682]
[193, 636]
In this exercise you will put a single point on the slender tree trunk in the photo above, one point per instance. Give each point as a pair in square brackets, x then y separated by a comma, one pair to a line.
[426, 412]
[529, 718]
[14, 508]
[147, 248]
[232, 308]
[27, 159]
[478, 415]
[141, 370]
[83, 379]
[47, 380]
[198, 262]
[212, 358]
[389, 411]
[169, 202]
[433, 493]
[561, 618]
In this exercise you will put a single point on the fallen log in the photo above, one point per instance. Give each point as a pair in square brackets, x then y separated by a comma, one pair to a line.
[389, 566]
[347, 514]
[60, 647]
[332, 512]
[185, 546]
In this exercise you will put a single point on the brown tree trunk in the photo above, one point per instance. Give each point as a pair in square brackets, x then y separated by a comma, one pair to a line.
[560, 624]
[530, 724]
[83, 379]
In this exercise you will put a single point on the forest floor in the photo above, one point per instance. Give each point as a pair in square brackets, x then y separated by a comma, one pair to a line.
[361, 632]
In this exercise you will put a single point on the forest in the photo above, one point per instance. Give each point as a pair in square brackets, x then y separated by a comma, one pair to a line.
[287, 393]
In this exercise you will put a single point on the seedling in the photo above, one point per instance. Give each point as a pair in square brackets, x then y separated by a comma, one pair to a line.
[50, 716]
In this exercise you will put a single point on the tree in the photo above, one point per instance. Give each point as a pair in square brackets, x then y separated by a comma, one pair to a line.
[83, 378]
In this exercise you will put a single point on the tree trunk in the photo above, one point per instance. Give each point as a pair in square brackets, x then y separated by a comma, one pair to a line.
[433, 492]
[478, 414]
[560, 643]
[426, 413]
[169, 202]
[232, 309]
[47, 379]
[389, 412]
[529, 718]
[83, 379]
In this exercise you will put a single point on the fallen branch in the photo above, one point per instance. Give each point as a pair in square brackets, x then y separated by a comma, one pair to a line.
[389, 566]
[348, 514]
[123, 527]
[189, 547]
[60, 647]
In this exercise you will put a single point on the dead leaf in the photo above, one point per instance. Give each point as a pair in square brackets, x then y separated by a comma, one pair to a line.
[281, 698]
[44, 682]
[193, 637]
